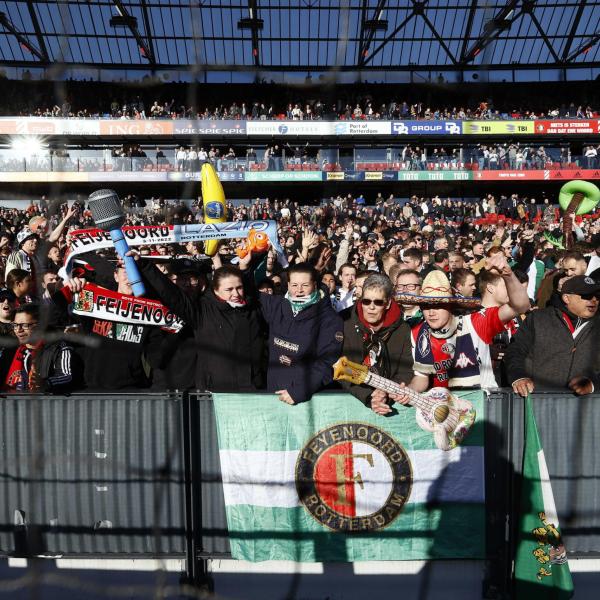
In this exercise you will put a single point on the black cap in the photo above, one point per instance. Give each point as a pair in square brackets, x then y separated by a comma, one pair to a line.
[186, 265]
[581, 285]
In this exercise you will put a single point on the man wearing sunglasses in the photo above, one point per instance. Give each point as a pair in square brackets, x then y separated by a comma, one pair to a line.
[559, 348]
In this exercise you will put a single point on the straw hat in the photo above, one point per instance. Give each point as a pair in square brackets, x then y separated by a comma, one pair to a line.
[436, 289]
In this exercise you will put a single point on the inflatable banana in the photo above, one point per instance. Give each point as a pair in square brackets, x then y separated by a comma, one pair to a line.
[215, 210]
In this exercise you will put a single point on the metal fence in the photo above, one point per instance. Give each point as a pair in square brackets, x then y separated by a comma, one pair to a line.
[139, 475]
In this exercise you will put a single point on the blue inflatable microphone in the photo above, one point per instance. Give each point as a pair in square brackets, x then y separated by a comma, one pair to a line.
[108, 215]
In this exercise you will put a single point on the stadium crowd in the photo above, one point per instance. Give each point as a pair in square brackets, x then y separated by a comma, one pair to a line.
[153, 99]
[366, 109]
[427, 292]
[283, 156]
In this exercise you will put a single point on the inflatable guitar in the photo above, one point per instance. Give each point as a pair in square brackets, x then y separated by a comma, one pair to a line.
[449, 418]
[576, 197]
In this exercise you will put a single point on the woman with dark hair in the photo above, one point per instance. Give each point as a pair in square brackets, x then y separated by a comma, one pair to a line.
[21, 284]
[376, 335]
[226, 325]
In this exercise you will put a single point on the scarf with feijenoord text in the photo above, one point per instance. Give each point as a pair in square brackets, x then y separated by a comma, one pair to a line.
[90, 240]
[98, 302]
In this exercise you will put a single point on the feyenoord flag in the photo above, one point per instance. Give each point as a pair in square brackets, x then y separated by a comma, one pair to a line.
[541, 567]
[329, 480]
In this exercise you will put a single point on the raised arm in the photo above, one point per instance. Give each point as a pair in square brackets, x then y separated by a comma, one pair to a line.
[169, 294]
[518, 301]
[56, 232]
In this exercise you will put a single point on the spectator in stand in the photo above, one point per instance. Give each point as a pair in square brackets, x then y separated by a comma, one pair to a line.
[7, 306]
[452, 350]
[36, 366]
[114, 361]
[409, 282]
[464, 283]
[557, 348]
[305, 335]
[5, 242]
[376, 335]
[455, 261]
[21, 284]
[344, 293]
[51, 283]
[226, 325]
[412, 258]
[24, 257]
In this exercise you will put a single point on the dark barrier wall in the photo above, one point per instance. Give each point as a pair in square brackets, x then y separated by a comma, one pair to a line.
[106, 475]
[91, 475]
[568, 428]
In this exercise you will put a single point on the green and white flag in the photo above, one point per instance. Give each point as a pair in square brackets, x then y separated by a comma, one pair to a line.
[541, 567]
[329, 480]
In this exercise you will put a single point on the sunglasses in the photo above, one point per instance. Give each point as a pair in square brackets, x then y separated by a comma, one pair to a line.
[376, 302]
[590, 296]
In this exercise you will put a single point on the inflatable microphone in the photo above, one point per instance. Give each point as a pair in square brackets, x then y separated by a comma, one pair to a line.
[108, 215]
[213, 197]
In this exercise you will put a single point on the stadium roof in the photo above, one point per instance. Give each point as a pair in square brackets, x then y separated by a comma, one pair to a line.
[302, 35]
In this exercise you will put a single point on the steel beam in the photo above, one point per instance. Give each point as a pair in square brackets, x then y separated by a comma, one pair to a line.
[38, 30]
[573, 31]
[493, 31]
[141, 42]
[365, 41]
[319, 69]
[584, 47]
[22, 39]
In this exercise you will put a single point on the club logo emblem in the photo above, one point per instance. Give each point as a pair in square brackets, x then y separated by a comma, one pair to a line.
[353, 477]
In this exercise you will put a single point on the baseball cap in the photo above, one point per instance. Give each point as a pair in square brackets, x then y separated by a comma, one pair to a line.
[581, 285]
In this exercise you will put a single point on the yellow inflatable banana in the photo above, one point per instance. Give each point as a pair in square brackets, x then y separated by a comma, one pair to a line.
[215, 210]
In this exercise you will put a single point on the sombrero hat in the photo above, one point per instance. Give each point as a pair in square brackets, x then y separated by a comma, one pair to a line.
[436, 290]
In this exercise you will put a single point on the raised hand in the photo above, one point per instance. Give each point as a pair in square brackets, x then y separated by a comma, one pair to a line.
[498, 263]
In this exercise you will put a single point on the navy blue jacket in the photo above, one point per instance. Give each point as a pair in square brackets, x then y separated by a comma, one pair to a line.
[302, 349]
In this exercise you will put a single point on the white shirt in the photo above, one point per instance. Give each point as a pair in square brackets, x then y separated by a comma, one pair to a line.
[594, 264]
[342, 299]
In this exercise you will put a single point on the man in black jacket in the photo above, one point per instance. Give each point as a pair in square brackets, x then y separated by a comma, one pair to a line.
[557, 348]
[115, 361]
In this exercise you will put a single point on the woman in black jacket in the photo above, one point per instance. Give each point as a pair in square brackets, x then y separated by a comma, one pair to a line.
[227, 329]
[376, 335]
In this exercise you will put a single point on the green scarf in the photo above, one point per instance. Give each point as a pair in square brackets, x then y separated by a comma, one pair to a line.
[299, 304]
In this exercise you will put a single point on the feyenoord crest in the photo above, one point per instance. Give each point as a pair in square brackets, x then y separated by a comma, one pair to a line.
[353, 477]
[85, 301]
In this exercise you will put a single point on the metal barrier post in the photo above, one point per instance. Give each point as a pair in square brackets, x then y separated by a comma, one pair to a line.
[196, 567]
[499, 496]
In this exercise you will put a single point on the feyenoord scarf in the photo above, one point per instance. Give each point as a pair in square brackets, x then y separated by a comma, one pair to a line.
[98, 302]
[89, 240]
